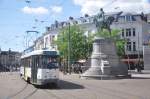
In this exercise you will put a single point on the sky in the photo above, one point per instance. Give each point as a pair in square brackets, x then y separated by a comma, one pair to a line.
[19, 16]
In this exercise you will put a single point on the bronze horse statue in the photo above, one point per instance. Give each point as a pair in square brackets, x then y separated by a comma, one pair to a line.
[105, 24]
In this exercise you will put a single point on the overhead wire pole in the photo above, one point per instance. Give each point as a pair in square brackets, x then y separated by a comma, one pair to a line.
[69, 68]
[139, 62]
[36, 20]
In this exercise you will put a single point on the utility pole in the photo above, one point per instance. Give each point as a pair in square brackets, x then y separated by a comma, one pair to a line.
[69, 68]
[128, 40]
[139, 66]
[9, 60]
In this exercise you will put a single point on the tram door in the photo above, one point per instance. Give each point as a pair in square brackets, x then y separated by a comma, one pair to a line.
[34, 67]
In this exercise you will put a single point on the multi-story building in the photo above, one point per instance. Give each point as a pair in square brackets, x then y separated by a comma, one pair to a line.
[134, 29]
[39, 43]
[9, 60]
[49, 38]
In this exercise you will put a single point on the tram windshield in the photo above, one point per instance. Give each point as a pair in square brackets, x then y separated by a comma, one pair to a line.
[49, 62]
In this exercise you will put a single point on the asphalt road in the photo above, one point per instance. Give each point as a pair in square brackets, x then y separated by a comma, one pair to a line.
[72, 87]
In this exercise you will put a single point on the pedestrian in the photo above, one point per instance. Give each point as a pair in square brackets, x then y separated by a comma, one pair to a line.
[139, 68]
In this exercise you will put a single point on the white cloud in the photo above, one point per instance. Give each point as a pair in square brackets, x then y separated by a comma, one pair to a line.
[38, 10]
[93, 6]
[56, 9]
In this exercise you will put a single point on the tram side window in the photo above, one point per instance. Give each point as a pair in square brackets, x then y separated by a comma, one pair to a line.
[29, 62]
[40, 61]
[35, 61]
[26, 62]
[22, 62]
[43, 61]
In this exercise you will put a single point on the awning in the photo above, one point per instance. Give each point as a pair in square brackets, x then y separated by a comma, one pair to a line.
[132, 60]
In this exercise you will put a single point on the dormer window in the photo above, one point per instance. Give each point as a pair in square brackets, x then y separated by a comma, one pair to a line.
[86, 15]
[71, 18]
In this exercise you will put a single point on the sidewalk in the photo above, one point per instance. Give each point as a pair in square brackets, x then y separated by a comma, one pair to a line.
[145, 74]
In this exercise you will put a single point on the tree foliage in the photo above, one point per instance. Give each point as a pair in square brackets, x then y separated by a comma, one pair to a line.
[80, 44]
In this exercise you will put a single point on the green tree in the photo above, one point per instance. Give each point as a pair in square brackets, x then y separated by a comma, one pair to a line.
[120, 43]
[80, 44]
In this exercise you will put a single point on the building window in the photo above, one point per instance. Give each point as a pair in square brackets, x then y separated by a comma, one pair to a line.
[46, 41]
[133, 18]
[53, 38]
[134, 46]
[128, 18]
[133, 31]
[128, 32]
[122, 32]
[128, 46]
[122, 18]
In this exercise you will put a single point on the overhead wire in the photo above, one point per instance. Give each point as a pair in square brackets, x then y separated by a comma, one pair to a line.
[12, 24]
[58, 3]
[110, 3]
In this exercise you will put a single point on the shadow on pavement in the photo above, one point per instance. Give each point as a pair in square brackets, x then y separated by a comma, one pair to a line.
[61, 85]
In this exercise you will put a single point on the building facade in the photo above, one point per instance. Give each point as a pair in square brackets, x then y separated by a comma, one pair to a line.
[39, 43]
[134, 29]
[9, 60]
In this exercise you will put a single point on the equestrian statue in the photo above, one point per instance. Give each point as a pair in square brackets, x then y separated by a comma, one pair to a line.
[103, 21]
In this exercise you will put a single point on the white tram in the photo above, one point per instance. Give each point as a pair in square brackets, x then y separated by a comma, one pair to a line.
[40, 67]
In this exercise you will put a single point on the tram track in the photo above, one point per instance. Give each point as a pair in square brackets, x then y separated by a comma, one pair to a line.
[31, 94]
[20, 91]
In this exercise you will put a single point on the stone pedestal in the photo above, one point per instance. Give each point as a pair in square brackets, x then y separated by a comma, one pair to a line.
[104, 61]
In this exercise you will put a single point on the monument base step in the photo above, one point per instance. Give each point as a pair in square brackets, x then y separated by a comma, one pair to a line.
[105, 77]
[98, 77]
